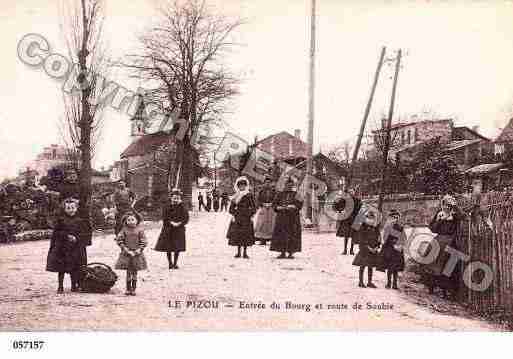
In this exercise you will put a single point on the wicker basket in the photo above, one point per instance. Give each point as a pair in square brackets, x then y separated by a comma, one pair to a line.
[97, 278]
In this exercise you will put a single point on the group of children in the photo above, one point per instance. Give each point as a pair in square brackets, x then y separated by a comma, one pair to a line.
[72, 234]
[387, 256]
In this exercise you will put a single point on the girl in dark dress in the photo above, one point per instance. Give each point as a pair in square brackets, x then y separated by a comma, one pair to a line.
[242, 208]
[344, 228]
[287, 225]
[67, 251]
[172, 237]
[391, 255]
[368, 242]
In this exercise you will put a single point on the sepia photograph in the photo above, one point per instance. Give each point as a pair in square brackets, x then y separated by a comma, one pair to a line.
[255, 166]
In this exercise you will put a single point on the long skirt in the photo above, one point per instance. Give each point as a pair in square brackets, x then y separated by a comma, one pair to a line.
[264, 223]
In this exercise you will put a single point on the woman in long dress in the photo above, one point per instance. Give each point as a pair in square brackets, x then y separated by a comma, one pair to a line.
[242, 208]
[287, 228]
[265, 217]
[446, 224]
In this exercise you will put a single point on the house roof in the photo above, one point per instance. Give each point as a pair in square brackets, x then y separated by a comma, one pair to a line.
[321, 157]
[506, 134]
[459, 128]
[146, 144]
[484, 168]
[396, 126]
[456, 145]
[277, 134]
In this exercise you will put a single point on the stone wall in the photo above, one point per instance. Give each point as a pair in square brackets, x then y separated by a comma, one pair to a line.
[416, 211]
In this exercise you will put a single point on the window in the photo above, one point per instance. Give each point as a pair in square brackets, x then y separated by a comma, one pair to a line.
[408, 137]
[415, 135]
[54, 153]
[402, 138]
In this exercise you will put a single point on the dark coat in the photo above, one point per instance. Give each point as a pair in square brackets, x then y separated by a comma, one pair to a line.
[447, 231]
[64, 255]
[266, 195]
[240, 232]
[344, 228]
[390, 258]
[172, 239]
[287, 225]
[368, 237]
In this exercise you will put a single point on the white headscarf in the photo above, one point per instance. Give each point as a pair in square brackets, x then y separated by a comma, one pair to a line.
[238, 193]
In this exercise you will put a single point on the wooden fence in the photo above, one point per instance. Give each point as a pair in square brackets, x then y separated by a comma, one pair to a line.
[487, 237]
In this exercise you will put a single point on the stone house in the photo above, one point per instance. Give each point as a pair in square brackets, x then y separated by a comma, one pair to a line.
[464, 144]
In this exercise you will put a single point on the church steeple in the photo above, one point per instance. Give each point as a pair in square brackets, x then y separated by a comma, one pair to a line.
[138, 122]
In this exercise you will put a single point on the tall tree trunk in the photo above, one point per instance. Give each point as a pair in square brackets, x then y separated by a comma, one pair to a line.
[186, 172]
[85, 123]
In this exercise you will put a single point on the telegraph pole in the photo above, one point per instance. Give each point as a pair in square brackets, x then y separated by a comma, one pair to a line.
[311, 115]
[387, 133]
[365, 116]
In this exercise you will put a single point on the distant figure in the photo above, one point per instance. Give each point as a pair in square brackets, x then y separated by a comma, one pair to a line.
[70, 188]
[224, 202]
[209, 202]
[287, 228]
[215, 200]
[201, 204]
[123, 198]
[265, 217]
[242, 208]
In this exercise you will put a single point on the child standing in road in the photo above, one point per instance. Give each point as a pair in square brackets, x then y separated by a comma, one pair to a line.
[172, 237]
[67, 251]
[132, 241]
[368, 242]
[391, 256]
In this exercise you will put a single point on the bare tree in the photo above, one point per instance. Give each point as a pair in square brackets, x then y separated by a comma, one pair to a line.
[82, 122]
[183, 56]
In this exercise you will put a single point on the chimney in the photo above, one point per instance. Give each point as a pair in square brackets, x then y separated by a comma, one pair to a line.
[297, 133]
[475, 128]
[383, 123]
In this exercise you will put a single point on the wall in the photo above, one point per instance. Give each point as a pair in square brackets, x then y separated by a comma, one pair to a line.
[416, 212]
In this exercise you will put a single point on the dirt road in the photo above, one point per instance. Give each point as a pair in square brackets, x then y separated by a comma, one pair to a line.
[209, 276]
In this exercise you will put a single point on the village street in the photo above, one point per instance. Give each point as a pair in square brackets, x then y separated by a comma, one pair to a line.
[208, 271]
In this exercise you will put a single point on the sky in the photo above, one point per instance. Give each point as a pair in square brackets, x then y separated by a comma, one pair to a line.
[457, 64]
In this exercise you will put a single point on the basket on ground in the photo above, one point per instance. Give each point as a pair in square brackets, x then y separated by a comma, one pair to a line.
[97, 278]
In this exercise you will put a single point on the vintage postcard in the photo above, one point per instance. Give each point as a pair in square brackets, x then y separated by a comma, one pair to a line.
[233, 165]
